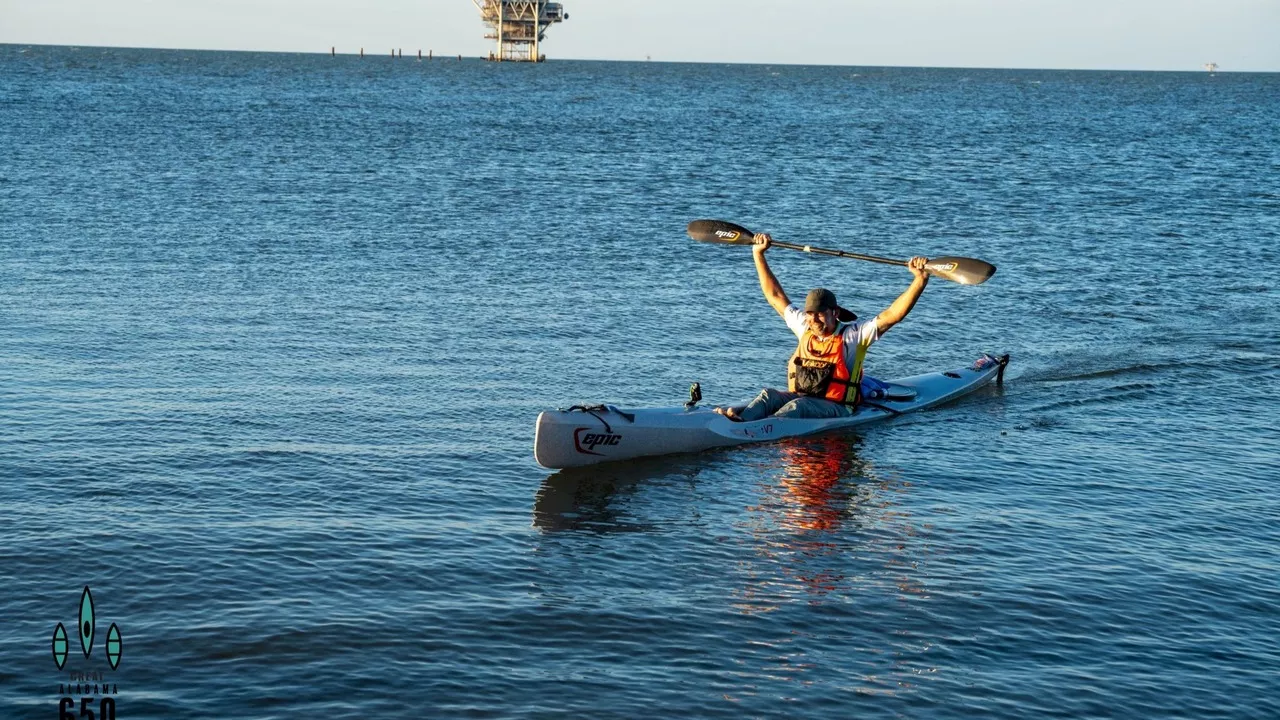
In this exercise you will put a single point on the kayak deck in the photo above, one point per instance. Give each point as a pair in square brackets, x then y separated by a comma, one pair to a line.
[604, 433]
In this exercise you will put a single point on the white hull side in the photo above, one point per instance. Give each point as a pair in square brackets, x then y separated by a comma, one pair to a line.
[572, 438]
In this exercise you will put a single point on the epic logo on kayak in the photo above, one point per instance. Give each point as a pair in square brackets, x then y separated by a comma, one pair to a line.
[586, 442]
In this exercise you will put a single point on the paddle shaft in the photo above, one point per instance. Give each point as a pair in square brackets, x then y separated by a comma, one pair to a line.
[965, 271]
[837, 253]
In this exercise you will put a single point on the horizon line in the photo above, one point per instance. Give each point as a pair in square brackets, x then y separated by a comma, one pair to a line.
[387, 55]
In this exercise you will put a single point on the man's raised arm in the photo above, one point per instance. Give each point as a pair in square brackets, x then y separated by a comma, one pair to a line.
[769, 284]
[894, 314]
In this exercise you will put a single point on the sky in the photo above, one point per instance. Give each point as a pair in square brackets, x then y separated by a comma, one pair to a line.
[1240, 35]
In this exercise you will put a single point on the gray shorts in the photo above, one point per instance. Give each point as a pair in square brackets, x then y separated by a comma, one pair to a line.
[779, 403]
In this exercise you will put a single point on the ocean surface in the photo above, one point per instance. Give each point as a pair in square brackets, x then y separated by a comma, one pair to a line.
[274, 330]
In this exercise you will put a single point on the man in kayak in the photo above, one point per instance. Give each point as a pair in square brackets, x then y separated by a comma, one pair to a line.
[824, 376]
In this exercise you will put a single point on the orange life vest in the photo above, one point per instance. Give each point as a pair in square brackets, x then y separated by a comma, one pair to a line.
[818, 368]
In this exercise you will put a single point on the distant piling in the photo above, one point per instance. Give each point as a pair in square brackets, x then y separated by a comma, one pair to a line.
[430, 54]
[361, 52]
[333, 52]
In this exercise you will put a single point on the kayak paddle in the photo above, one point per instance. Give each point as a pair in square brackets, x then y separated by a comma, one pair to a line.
[966, 271]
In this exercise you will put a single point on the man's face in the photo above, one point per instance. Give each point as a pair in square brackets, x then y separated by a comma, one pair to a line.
[822, 322]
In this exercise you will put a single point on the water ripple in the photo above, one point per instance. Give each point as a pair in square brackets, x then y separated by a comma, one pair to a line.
[276, 327]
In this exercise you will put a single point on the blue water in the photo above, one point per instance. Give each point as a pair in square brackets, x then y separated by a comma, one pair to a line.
[274, 330]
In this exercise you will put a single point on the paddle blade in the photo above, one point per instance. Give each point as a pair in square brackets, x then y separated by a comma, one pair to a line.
[719, 231]
[966, 271]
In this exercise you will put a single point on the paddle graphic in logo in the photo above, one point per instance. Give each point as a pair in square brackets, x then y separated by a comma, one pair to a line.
[88, 623]
[60, 646]
[114, 646]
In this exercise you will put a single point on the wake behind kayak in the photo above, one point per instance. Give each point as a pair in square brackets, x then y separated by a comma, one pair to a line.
[604, 433]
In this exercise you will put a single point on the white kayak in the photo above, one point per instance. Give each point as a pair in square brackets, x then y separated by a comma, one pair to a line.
[604, 433]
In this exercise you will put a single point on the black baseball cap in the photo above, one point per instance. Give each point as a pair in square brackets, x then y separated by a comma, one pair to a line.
[820, 299]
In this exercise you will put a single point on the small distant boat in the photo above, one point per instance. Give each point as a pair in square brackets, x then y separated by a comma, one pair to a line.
[1211, 67]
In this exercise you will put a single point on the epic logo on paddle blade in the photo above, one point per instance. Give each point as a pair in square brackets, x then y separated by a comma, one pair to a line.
[727, 235]
[586, 442]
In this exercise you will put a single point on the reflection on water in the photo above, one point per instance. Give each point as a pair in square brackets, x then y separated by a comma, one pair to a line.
[819, 487]
[830, 536]
[818, 533]
[820, 482]
[823, 511]
[596, 498]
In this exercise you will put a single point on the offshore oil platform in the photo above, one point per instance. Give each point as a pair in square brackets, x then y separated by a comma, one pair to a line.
[518, 26]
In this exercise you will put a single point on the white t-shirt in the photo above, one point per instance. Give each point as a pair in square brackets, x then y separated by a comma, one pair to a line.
[859, 333]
